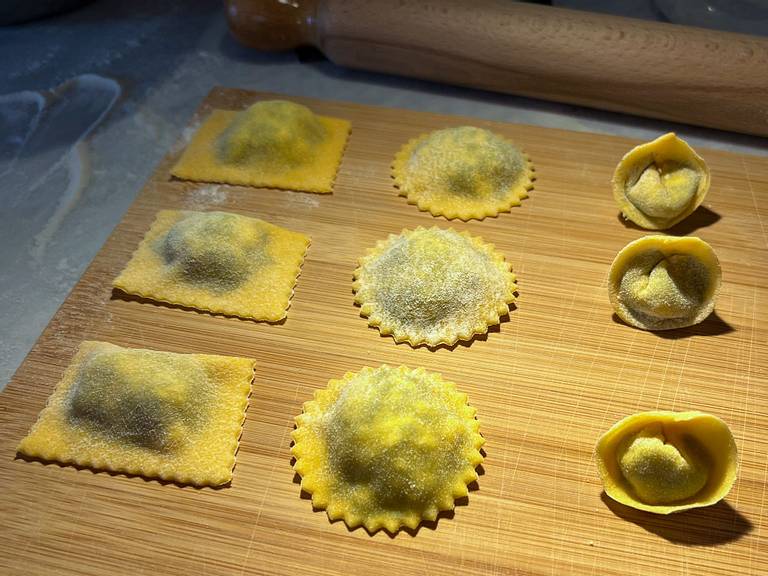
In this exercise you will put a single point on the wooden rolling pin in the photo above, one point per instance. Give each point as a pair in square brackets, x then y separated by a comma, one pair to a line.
[692, 75]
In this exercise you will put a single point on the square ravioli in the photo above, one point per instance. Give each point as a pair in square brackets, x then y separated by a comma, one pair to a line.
[217, 262]
[273, 143]
[176, 417]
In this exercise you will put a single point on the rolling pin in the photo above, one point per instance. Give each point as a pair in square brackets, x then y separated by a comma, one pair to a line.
[653, 69]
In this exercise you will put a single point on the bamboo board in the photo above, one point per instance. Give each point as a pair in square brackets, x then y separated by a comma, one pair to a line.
[546, 382]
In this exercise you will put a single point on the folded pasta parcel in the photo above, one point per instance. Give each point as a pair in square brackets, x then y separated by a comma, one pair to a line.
[273, 143]
[176, 417]
[387, 447]
[664, 462]
[664, 282]
[660, 183]
[217, 262]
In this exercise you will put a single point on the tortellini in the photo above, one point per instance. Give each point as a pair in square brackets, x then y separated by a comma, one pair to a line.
[217, 262]
[273, 143]
[463, 172]
[161, 415]
[433, 286]
[659, 183]
[665, 462]
[664, 282]
[387, 447]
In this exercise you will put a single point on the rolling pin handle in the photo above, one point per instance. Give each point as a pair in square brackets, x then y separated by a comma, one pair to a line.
[273, 25]
[655, 69]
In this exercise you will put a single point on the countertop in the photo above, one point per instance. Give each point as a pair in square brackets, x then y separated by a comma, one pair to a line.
[93, 100]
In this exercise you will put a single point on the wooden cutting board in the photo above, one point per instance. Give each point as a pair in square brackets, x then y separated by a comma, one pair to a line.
[546, 382]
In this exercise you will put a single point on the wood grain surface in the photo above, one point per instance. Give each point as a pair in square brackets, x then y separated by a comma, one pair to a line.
[546, 382]
[653, 69]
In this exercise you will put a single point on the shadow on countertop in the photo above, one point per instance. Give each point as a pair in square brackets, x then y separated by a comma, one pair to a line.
[712, 525]
[712, 325]
[702, 217]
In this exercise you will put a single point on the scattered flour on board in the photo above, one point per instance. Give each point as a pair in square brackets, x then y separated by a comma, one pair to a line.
[302, 199]
[216, 194]
[185, 138]
[188, 132]
[213, 195]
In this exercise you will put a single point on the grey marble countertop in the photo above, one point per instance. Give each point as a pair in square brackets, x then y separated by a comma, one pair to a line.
[93, 100]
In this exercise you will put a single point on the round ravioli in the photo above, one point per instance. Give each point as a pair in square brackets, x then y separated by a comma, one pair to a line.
[463, 172]
[659, 183]
[664, 282]
[433, 286]
[665, 462]
[387, 447]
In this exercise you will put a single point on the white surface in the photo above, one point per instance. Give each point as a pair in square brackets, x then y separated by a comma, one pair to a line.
[74, 158]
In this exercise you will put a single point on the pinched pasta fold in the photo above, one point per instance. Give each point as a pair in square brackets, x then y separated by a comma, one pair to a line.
[664, 462]
[659, 183]
[664, 282]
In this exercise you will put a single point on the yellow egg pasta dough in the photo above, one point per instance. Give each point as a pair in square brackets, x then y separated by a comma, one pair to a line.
[659, 183]
[433, 286]
[387, 447]
[217, 262]
[463, 172]
[273, 143]
[176, 417]
[664, 282]
[664, 462]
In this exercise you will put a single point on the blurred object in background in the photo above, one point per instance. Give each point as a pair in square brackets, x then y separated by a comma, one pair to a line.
[635, 66]
[17, 11]
[744, 16]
